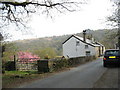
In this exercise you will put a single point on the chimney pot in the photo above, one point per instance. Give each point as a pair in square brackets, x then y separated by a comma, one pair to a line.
[84, 35]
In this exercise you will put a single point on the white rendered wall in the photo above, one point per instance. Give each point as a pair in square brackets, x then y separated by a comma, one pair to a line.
[70, 49]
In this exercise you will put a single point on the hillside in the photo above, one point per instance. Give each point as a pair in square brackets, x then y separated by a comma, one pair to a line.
[106, 37]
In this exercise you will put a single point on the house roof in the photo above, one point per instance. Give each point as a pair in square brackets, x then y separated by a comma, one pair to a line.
[99, 43]
[89, 42]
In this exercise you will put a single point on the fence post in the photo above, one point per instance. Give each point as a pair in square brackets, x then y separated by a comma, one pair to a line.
[15, 62]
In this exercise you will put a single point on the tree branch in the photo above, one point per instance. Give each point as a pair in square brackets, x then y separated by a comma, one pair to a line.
[15, 11]
[24, 4]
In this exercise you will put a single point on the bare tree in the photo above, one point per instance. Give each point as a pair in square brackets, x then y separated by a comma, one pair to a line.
[18, 12]
[12, 11]
[115, 18]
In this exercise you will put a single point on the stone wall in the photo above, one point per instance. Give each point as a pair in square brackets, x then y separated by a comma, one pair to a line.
[26, 66]
[49, 65]
[57, 64]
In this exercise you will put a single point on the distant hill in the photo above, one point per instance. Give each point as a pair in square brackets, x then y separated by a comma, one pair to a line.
[106, 37]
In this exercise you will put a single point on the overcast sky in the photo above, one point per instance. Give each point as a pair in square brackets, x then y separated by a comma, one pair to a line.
[91, 16]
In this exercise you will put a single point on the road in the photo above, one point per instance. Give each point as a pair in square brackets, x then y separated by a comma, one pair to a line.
[84, 76]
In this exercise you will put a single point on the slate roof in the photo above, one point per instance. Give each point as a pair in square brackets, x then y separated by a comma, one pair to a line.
[89, 42]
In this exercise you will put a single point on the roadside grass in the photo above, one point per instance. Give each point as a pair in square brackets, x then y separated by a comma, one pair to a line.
[20, 72]
[13, 79]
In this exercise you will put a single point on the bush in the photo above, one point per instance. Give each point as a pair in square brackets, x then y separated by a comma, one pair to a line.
[10, 66]
[3, 71]
[60, 64]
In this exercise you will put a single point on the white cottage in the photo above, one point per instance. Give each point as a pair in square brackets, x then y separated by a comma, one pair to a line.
[76, 46]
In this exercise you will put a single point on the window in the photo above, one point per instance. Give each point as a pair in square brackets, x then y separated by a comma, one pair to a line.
[112, 52]
[87, 53]
[77, 43]
[86, 46]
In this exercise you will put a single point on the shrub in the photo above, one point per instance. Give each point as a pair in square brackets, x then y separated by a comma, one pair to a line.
[60, 63]
[10, 66]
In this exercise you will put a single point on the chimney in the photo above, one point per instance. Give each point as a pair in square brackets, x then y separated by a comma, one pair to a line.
[84, 35]
[92, 40]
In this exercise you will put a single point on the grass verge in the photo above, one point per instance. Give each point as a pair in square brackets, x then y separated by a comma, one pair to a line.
[13, 79]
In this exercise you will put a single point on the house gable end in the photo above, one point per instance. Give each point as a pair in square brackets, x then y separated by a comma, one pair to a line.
[78, 39]
[68, 39]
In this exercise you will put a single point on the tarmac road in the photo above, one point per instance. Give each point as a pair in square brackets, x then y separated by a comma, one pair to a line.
[84, 76]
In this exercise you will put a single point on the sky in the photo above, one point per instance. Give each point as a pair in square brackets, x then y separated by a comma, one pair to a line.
[91, 16]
